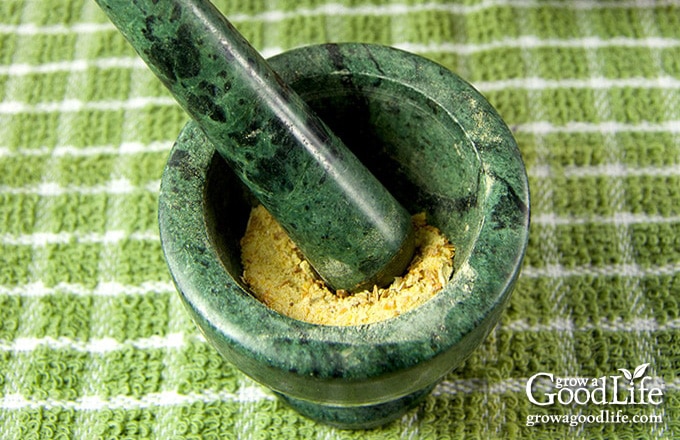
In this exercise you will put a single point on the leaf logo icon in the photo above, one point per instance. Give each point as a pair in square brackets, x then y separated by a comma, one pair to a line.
[627, 374]
[638, 373]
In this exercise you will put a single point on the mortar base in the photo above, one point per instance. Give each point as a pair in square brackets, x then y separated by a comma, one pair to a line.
[357, 417]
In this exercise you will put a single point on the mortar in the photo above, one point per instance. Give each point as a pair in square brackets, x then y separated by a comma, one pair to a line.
[438, 146]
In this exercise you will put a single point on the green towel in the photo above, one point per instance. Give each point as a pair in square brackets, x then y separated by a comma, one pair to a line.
[94, 342]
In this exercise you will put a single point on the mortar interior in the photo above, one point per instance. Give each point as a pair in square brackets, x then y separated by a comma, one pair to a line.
[408, 142]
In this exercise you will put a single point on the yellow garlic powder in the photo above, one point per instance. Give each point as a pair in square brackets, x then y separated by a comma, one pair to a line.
[280, 277]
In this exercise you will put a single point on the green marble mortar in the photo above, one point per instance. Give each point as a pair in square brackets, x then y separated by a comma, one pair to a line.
[438, 146]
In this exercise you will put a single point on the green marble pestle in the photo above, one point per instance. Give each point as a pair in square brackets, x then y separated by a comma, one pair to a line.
[350, 228]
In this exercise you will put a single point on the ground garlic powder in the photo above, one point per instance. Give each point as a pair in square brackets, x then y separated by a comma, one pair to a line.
[280, 277]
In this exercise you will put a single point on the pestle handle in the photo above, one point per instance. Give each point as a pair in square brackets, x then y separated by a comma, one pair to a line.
[349, 227]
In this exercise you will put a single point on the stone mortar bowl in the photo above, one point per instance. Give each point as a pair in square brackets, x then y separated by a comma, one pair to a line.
[439, 147]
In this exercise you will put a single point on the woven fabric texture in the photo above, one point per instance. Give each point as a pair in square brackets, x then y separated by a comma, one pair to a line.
[94, 342]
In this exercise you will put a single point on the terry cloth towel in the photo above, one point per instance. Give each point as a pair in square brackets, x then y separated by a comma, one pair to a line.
[94, 342]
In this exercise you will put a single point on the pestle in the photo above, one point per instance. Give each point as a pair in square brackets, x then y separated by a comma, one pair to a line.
[348, 226]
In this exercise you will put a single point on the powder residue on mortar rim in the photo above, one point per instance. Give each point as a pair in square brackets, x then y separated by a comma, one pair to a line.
[280, 277]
